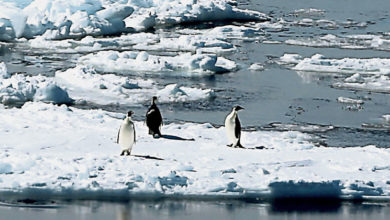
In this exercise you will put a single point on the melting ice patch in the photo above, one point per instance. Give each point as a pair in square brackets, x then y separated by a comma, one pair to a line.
[18, 89]
[84, 83]
[186, 64]
[97, 171]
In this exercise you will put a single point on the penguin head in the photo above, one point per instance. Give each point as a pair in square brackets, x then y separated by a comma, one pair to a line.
[154, 99]
[237, 108]
[130, 113]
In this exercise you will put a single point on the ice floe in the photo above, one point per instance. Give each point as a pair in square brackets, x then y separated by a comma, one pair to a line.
[85, 84]
[58, 19]
[349, 100]
[81, 160]
[355, 73]
[215, 40]
[377, 42]
[256, 67]
[357, 81]
[18, 89]
[185, 64]
[320, 63]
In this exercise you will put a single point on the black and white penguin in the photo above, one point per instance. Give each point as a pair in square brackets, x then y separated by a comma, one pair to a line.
[233, 127]
[154, 119]
[126, 135]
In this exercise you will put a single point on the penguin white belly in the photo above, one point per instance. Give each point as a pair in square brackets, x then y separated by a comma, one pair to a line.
[126, 136]
[230, 127]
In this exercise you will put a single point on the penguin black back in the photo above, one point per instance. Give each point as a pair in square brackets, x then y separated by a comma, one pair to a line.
[154, 118]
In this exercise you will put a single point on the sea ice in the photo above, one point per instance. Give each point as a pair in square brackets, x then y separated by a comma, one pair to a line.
[58, 19]
[185, 64]
[320, 63]
[349, 100]
[376, 42]
[18, 89]
[52, 163]
[84, 83]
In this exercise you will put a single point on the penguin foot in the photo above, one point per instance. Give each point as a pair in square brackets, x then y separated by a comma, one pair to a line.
[123, 153]
[229, 145]
[156, 136]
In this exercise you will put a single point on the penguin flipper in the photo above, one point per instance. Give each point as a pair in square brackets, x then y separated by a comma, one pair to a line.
[117, 137]
[237, 129]
[134, 134]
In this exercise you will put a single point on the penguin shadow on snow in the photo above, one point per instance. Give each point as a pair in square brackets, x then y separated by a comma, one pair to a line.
[176, 138]
[147, 157]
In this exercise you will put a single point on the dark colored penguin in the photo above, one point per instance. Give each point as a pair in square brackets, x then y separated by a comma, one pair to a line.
[233, 128]
[126, 135]
[154, 119]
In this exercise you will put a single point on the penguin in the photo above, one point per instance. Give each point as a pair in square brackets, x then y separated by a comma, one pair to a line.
[233, 127]
[126, 135]
[154, 119]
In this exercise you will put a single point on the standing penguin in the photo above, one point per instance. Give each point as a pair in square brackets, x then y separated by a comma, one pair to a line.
[233, 127]
[126, 135]
[154, 119]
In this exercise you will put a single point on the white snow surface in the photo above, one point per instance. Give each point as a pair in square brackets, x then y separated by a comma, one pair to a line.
[61, 19]
[61, 158]
[185, 64]
[84, 83]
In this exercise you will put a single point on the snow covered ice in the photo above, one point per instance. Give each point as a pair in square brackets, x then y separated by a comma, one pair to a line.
[197, 64]
[86, 84]
[81, 160]
[60, 19]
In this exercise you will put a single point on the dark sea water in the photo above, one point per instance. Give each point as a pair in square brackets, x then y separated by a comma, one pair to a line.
[191, 210]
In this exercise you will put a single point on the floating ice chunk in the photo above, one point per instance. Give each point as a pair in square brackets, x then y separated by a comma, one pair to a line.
[174, 92]
[3, 71]
[90, 44]
[191, 43]
[229, 32]
[377, 42]
[197, 64]
[52, 93]
[310, 12]
[116, 12]
[142, 20]
[386, 117]
[379, 83]
[5, 168]
[13, 18]
[319, 63]
[18, 89]
[256, 67]
[290, 58]
[349, 100]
